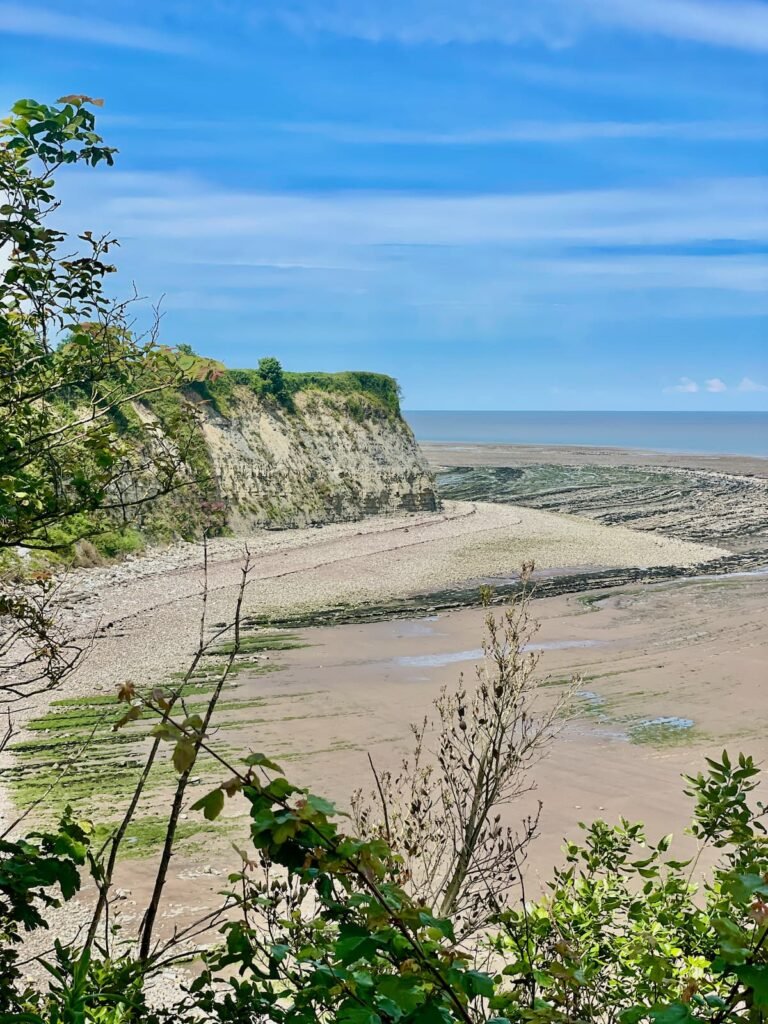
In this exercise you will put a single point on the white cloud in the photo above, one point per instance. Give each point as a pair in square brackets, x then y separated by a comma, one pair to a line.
[433, 22]
[738, 24]
[419, 256]
[662, 271]
[178, 208]
[685, 385]
[25, 20]
[747, 384]
[741, 24]
[536, 131]
[716, 385]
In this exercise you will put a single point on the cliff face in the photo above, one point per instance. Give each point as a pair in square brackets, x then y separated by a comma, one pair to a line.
[329, 457]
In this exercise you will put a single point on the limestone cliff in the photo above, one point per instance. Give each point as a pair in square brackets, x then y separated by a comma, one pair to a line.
[325, 456]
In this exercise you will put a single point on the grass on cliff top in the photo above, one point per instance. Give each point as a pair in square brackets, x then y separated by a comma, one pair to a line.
[375, 385]
[366, 395]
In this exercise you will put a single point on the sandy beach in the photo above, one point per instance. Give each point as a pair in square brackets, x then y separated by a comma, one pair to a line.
[670, 672]
[144, 613]
[450, 454]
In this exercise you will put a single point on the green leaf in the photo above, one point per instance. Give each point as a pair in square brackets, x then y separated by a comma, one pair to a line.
[633, 1015]
[675, 1013]
[663, 844]
[475, 983]
[755, 978]
[279, 789]
[744, 886]
[734, 943]
[184, 755]
[351, 1014]
[211, 804]
[318, 803]
[403, 990]
[261, 761]
[351, 950]
[444, 925]
[432, 1013]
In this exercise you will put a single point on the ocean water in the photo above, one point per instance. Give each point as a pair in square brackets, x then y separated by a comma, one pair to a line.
[710, 433]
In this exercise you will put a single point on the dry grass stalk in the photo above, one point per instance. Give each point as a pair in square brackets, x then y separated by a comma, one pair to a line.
[442, 811]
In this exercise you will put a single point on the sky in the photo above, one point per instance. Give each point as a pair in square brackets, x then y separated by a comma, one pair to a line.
[506, 204]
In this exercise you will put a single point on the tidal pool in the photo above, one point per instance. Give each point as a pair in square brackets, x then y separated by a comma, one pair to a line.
[451, 658]
[666, 729]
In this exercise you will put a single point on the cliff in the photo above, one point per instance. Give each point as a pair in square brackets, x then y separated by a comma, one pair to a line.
[276, 449]
[323, 456]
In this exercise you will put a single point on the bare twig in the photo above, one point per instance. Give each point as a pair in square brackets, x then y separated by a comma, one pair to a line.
[384, 808]
[150, 915]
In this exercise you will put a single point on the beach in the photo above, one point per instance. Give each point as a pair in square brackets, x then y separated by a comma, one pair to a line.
[670, 671]
[453, 454]
[148, 609]
[667, 675]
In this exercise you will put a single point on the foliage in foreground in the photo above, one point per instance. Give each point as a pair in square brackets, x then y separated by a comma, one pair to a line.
[75, 461]
[319, 928]
[626, 934]
[330, 925]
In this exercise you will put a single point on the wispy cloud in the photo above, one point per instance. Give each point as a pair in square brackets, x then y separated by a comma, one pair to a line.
[630, 80]
[747, 384]
[433, 22]
[26, 20]
[684, 385]
[739, 24]
[441, 265]
[685, 212]
[715, 385]
[662, 271]
[536, 131]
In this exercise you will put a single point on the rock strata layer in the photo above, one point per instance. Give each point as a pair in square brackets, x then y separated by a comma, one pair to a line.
[317, 463]
[696, 505]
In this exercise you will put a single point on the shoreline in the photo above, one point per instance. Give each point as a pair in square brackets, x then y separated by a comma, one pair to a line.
[144, 612]
[615, 601]
[668, 675]
[493, 453]
[544, 585]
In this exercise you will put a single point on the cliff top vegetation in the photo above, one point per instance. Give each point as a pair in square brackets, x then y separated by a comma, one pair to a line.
[219, 385]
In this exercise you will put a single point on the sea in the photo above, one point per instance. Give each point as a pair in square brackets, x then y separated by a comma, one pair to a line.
[700, 433]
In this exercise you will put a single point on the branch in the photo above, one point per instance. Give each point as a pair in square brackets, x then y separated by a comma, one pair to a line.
[150, 915]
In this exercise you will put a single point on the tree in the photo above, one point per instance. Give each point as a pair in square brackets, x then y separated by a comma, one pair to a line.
[624, 935]
[71, 368]
[75, 458]
[272, 374]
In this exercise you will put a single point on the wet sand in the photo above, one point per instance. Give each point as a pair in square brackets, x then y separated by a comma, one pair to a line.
[446, 453]
[145, 613]
[652, 659]
[649, 656]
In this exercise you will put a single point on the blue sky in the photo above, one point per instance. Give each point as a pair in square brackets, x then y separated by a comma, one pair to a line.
[536, 204]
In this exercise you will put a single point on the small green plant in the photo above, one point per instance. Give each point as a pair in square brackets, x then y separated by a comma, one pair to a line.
[626, 936]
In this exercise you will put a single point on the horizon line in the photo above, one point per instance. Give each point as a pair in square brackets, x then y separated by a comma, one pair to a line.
[682, 412]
